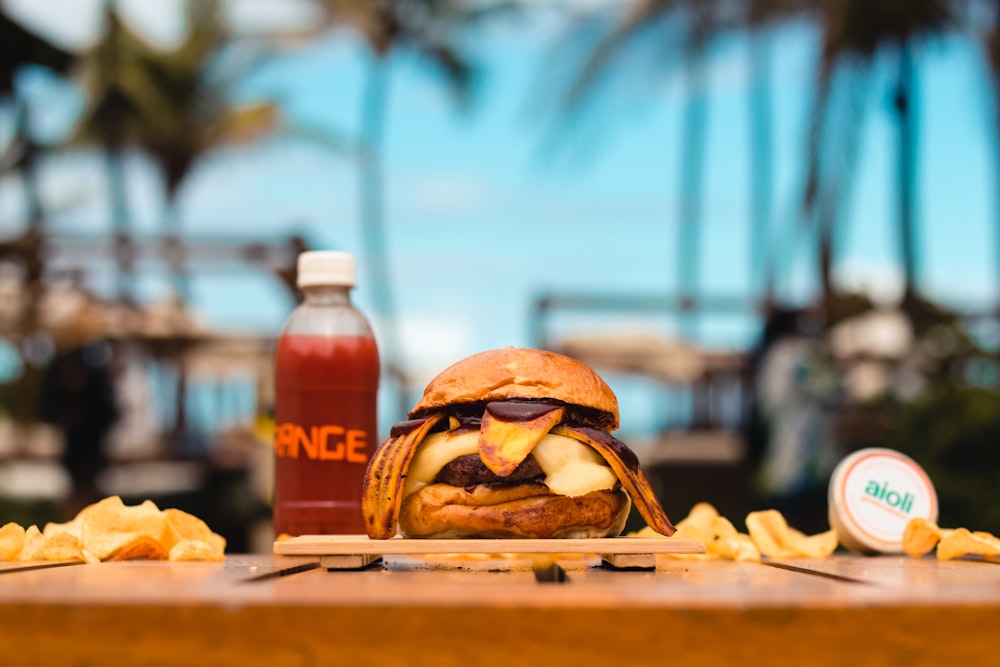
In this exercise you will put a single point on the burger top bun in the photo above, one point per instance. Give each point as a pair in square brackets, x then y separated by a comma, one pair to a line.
[512, 372]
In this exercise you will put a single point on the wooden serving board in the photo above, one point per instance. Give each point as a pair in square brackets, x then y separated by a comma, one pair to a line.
[354, 551]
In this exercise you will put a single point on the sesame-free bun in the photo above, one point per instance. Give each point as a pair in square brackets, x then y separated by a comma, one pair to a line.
[523, 510]
[523, 373]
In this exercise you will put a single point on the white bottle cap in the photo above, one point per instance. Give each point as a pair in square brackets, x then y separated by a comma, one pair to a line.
[325, 267]
[873, 495]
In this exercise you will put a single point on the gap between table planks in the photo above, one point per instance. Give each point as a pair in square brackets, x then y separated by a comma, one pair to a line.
[355, 551]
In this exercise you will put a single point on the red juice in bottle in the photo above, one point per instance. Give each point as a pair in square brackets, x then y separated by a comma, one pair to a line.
[326, 384]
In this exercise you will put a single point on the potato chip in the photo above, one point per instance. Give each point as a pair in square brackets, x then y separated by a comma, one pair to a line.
[183, 526]
[723, 527]
[698, 523]
[774, 538]
[961, 542]
[769, 535]
[819, 545]
[738, 547]
[11, 541]
[111, 530]
[70, 527]
[33, 539]
[139, 547]
[60, 546]
[992, 539]
[769, 531]
[920, 537]
[74, 526]
[110, 526]
[730, 543]
[987, 537]
[195, 550]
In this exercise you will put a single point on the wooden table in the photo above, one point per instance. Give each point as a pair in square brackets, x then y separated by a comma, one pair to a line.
[264, 610]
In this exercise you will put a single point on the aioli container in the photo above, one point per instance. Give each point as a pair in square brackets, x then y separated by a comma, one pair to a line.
[873, 494]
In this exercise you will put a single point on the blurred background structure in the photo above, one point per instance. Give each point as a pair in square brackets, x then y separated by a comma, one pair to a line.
[772, 225]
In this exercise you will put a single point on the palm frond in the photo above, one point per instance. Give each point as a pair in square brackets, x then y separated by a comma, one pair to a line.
[23, 47]
[168, 102]
[428, 28]
[643, 17]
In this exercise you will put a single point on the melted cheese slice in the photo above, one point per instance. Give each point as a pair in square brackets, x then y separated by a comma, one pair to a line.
[434, 453]
[571, 468]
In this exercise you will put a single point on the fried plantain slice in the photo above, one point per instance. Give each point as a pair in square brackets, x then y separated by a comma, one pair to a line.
[625, 464]
[381, 491]
[505, 443]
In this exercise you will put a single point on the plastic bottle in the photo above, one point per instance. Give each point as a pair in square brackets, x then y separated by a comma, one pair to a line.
[326, 381]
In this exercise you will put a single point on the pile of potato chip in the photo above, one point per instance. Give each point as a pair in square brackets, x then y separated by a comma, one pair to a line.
[768, 534]
[111, 530]
[922, 536]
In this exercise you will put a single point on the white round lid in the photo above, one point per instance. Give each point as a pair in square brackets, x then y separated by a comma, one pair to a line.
[325, 267]
[873, 495]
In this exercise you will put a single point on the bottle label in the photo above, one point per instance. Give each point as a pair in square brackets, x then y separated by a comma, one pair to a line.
[329, 442]
[325, 433]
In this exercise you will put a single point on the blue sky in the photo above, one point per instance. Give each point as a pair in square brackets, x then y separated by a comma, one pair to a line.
[480, 223]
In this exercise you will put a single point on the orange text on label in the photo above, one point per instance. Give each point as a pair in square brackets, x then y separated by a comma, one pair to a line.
[323, 443]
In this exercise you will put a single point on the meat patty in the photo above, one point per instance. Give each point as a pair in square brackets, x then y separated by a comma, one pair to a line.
[469, 470]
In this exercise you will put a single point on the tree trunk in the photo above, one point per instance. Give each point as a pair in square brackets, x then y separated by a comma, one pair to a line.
[374, 105]
[173, 249]
[692, 179]
[826, 240]
[996, 195]
[26, 396]
[178, 433]
[906, 140]
[113, 142]
[174, 256]
[813, 198]
[36, 233]
[114, 163]
[761, 167]
[32, 194]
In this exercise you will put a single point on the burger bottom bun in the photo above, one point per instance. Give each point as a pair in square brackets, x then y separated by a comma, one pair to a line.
[522, 510]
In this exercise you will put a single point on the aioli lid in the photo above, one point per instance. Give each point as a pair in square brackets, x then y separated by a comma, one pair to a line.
[325, 267]
[873, 494]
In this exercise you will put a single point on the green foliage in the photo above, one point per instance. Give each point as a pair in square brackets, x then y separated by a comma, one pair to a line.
[953, 431]
[951, 426]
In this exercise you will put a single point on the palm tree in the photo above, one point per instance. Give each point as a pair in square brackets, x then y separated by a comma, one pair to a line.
[669, 32]
[170, 104]
[857, 33]
[682, 32]
[21, 47]
[110, 120]
[760, 18]
[991, 45]
[183, 113]
[427, 28]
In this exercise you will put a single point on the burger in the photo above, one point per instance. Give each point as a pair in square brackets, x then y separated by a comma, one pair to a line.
[512, 442]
